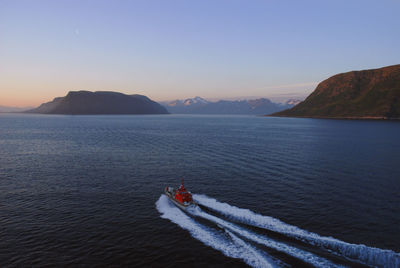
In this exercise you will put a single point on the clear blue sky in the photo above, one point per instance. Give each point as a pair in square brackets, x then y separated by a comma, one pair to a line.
[177, 49]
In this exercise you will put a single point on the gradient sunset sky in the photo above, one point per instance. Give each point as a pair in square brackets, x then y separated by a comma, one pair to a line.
[177, 49]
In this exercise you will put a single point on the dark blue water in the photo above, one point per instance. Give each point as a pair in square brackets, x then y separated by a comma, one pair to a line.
[87, 190]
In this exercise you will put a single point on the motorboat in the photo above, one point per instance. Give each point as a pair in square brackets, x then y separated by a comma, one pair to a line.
[180, 197]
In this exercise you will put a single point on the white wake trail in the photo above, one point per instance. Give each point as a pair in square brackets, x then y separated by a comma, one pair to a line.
[260, 239]
[365, 254]
[235, 248]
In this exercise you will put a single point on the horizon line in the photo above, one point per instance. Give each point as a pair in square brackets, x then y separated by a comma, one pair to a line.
[272, 95]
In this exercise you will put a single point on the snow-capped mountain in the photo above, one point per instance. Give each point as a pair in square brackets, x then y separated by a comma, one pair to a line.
[198, 105]
[293, 102]
[195, 101]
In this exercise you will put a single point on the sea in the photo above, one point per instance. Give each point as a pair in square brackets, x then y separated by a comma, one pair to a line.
[87, 191]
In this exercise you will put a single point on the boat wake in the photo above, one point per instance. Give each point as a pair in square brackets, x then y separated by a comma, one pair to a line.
[234, 247]
[239, 240]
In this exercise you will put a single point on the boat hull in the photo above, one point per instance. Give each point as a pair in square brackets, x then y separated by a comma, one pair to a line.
[177, 203]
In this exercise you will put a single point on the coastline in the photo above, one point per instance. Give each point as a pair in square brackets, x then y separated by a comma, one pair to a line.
[339, 117]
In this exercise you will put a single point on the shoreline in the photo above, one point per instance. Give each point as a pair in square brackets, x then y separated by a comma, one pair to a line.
[339, 117]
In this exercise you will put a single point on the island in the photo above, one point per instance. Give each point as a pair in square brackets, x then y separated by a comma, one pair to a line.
[99, 102]
[367, 94]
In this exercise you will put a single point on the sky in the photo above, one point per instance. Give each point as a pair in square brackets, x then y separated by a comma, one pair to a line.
[172, 49]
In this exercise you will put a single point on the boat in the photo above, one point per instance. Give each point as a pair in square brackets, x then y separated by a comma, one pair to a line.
[180, 197]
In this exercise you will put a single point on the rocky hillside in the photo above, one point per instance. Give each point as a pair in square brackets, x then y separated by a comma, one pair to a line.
[358, 94]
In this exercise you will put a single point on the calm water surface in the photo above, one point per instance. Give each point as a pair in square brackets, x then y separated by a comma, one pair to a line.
[87, 190]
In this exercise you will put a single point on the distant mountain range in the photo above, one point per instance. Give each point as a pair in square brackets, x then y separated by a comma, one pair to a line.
[100, 102]
[358, 94]
[198, 105]
[7, 109]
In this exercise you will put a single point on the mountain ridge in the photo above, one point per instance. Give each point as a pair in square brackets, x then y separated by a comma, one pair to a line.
[198, 105]
[99, 102]
[11, 109]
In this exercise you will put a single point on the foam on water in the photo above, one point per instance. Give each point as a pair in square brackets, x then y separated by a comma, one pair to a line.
[235, 248]
[244, 245]
[362, 253]
[292, 251]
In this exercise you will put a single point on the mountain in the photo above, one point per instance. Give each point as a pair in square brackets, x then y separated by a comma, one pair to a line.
[184, 106]
[371, 93]
[199, 105]
[196, 101]
[292, 102]
[7, 109]
[100, 102]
